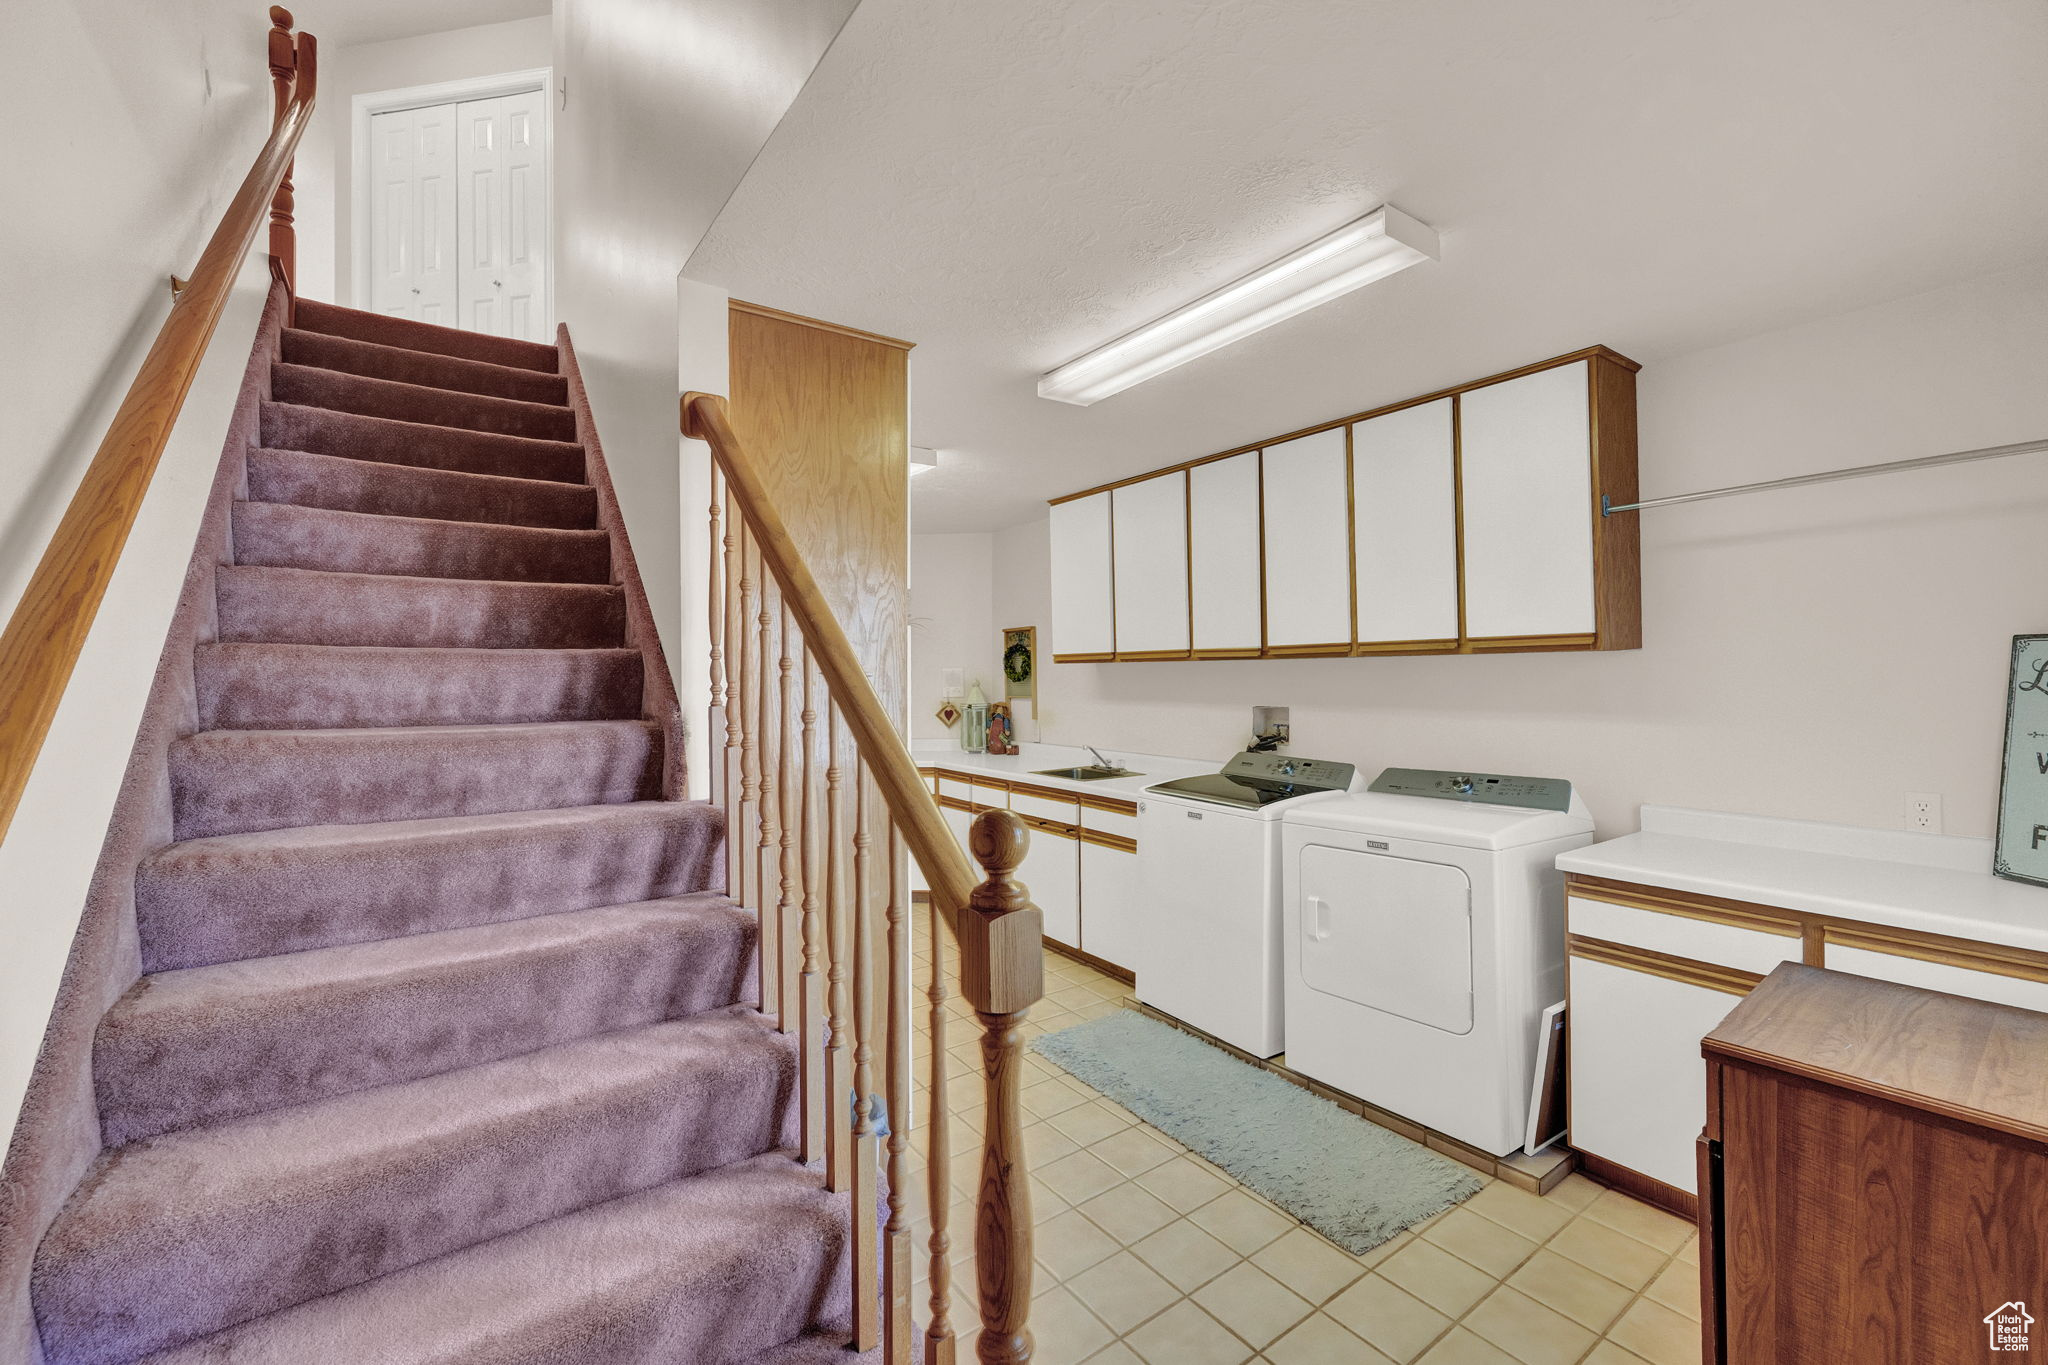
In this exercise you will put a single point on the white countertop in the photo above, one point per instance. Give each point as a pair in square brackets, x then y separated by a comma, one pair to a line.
[1023, 767]
[1932, 883]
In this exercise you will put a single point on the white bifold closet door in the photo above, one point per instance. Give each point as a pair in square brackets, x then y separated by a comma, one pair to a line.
[413, 237]
[502, 175]
[458, 215]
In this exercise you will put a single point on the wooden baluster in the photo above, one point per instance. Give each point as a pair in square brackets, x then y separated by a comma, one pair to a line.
[733, 615]
[811, 982]
[721, 785]
[1002, 974]
[867, 1304]
[939, 1341]
[284, 67]
[839, 1091]
[773, 908]
[896, 1272]
[746, 715]
[797, 1011]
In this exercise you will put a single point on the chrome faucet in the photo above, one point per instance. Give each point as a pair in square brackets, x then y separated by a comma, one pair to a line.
[1100, 761]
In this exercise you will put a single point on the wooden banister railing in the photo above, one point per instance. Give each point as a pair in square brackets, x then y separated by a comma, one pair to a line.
[783, 860]
[50, 622]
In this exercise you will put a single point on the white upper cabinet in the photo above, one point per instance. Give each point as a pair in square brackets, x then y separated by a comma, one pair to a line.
[1150, 534]
[1223, 530]
[1405, 524]
[1308, 542]
[1526, 452]
[1083, 596]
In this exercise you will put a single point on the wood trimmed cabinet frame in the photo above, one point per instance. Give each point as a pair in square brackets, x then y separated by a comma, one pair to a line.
[1636, 1082]
[1605, 610]
[1077, 831]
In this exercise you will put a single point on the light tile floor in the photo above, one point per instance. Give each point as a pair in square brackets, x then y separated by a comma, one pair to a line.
[1147, 1253]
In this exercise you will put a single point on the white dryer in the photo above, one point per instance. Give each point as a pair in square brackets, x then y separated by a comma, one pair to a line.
[1423, 939]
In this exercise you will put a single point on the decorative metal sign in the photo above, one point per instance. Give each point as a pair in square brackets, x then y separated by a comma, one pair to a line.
[2023, 792]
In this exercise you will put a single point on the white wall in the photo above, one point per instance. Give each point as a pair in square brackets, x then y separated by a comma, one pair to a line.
[53, 845]
[131, 134]
[1814, 653]
[321, 178]
[667, 107]
[952, 625]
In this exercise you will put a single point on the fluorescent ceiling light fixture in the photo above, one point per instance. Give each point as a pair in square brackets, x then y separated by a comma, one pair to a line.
[1371, 248]
[921, 459]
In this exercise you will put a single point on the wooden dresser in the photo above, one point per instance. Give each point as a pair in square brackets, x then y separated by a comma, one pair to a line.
[1873, 1176]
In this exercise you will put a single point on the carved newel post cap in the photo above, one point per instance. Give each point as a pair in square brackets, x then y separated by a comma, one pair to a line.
[998, 841]
[280, 16]
[1002, 952]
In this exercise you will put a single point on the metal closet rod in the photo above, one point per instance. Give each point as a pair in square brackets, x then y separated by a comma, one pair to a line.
[1608, 509]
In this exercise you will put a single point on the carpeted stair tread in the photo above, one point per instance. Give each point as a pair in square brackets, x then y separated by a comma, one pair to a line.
[206, 1044]
[341, 687]
[263, 604]
[703, 1271]
[241, 781]
[281, 535]
[372, 397]
[348, 356]
[333, 320]
[240, 896]
[835, 1348]
[345, 485]
[387, 440]
[196, 1231]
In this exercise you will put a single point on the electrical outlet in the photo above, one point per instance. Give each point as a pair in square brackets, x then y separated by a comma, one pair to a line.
[1923, 812]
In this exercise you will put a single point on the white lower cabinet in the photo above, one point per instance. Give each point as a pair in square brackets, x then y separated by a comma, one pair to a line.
[1109, 903]
[1051, 873]
[1638, 1090]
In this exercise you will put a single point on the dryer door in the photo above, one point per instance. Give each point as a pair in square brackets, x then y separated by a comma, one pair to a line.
[1390, 933]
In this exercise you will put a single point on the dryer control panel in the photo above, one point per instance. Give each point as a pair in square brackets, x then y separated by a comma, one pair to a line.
[1485, 789]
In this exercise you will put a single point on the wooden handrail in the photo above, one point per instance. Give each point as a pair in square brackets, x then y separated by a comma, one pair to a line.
[946, 869]
[47, 631]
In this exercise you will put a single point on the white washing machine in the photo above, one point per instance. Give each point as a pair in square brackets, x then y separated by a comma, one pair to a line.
[1209, 884]
[1424, 937]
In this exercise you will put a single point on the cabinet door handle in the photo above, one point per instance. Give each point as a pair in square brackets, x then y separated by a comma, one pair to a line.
[1318, 918]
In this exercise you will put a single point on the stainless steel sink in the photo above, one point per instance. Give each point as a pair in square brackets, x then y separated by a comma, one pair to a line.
[1088, 774]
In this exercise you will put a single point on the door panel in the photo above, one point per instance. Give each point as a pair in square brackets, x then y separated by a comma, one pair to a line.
[1083, 602]
[1638, 1086]
[1308, 542]
[1393, 934]
[1109, 904]
[1223, 517]
[1150, 521]
[413, 238]
[504, 208]
[1405, 519]
[1525, 451]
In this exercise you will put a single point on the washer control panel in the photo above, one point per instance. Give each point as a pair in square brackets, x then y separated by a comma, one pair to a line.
[1486, 789]
[1285, 770]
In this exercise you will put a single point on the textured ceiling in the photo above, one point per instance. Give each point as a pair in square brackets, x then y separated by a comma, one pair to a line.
[347, 22]
[1012, 184]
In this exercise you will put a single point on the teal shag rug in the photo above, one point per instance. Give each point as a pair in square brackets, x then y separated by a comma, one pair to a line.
[1346, 1177]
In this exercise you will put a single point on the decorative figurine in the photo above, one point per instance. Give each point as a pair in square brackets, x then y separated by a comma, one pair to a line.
[1002, 736]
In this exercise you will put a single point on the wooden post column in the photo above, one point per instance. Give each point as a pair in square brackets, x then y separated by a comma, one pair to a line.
[1002, 975]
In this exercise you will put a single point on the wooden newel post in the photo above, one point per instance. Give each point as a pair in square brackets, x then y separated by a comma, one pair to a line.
[284, 67]
[1002, 975]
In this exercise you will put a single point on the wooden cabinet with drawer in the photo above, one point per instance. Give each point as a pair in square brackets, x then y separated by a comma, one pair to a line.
[1874, 1171]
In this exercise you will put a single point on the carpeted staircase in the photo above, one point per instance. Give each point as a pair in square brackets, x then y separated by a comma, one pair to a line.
[442, 1051]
